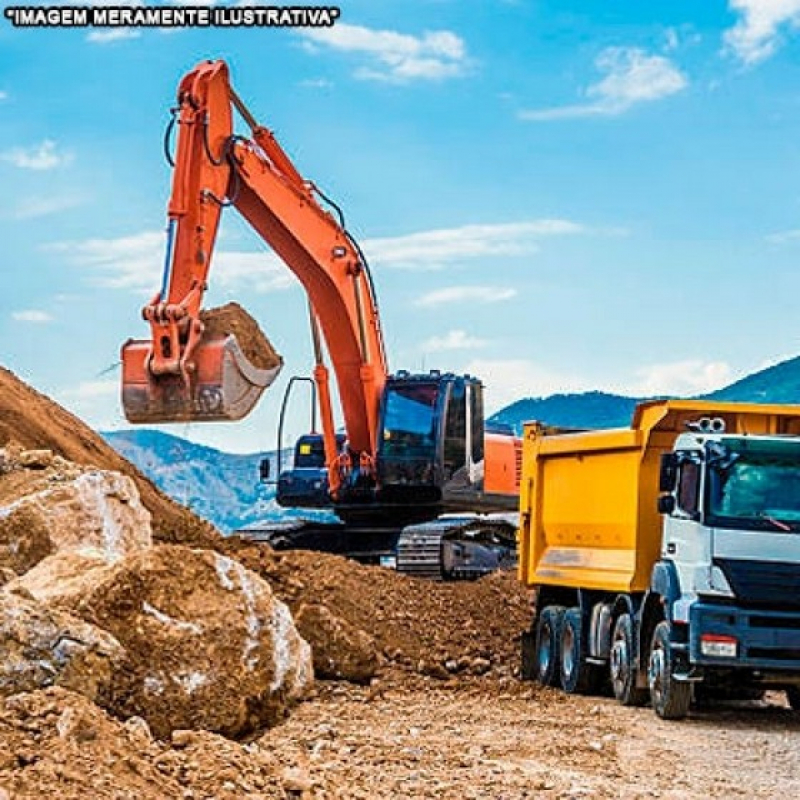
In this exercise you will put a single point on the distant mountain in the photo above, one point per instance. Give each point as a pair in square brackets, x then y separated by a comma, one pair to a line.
[225, 488]
[585, 410]
[221, 487]
[777, 384]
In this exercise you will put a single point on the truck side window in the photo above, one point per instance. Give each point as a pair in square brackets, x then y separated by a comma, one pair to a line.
[689, 487]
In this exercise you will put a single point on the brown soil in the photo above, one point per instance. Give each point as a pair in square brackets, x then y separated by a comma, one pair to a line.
[34, 421]
[233, 319]
[438, 629]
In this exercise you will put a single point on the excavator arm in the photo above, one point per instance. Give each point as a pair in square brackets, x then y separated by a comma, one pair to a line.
[178, 374]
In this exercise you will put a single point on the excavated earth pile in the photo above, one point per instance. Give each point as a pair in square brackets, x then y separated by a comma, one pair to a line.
[233, 319]
[33, 421]
[436, 629]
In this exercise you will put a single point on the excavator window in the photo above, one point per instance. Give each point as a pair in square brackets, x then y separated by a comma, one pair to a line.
[455, 432]
[410, 422]
[476, 421]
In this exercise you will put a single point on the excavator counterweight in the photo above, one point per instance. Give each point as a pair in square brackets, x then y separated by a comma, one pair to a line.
[223, 386]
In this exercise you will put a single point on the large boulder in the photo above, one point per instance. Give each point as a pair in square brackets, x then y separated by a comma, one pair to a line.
[207, 644]
[41, 647]
[341, 650]
[48, 505]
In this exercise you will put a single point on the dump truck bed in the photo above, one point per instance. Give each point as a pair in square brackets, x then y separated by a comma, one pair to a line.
[588, 501]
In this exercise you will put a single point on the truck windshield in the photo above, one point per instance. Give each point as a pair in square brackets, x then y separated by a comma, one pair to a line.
[409, 428]
[755, 484]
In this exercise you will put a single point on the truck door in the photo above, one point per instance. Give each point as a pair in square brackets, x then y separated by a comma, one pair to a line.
[686, 541]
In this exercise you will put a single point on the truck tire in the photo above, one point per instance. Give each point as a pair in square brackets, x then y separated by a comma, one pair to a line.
[670, 698]
[577, 677]
[548, 645]
[622, 664]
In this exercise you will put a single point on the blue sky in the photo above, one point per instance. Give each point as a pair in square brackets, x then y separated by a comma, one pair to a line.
[554, 195]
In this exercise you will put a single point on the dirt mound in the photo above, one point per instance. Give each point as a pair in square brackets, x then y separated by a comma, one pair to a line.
[36, 422]
[207, 644]
[439, 629]
[58, 744]
[233, 319]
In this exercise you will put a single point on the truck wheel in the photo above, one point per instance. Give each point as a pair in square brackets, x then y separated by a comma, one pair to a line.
[622, 665]
[548, 645]
[577, 677]
[670, 698]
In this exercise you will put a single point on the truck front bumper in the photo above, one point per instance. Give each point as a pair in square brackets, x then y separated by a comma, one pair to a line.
[765, 639]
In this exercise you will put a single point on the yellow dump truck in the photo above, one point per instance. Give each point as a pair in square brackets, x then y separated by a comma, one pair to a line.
[665, 557]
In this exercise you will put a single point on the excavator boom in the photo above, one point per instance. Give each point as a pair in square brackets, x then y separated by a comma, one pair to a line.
[179, 373]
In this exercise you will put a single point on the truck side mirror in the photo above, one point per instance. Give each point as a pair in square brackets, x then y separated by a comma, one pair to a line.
[668, 476]
[666, 504]
[263, 470]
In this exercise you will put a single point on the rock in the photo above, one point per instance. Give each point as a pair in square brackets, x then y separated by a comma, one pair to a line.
[296, 780]
[138, 732]
[90, 510]
[6, 575]
[35, 459]
[340, 650]
[77, 725]
[42, 647]
[207, 644]
[182, 738]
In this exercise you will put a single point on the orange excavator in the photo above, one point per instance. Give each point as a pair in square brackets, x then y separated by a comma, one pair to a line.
[416, 474]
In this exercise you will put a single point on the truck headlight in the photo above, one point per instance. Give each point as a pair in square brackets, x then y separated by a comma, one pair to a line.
[718, 645]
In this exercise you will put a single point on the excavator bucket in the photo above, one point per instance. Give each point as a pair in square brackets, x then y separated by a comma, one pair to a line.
[223, 386]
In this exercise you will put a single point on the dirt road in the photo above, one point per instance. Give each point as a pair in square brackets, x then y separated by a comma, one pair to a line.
[491, 739]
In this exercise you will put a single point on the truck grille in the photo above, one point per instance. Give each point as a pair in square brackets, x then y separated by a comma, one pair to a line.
[762, 583]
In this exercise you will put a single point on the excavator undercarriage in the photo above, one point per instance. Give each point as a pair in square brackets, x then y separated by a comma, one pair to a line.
[449, 548]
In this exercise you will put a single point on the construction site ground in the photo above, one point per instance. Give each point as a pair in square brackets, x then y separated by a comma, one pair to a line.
[438, 709]
[418, 738]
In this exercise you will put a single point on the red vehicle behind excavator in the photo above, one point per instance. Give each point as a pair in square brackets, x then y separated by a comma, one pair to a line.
[414, 447]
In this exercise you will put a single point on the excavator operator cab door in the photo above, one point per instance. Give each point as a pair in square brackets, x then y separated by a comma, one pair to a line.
[462, 441]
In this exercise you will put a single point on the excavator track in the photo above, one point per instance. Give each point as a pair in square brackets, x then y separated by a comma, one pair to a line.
[419, 550]
[456, 549]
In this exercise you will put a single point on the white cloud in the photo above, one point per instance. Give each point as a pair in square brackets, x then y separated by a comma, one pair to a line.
[39, 157]
[33, 315]
[316, 83]
[136, 262]
[34, 207]
[783, 237]
[396, 57]
[88, 390]
[688, 377]
[511, 379]
[113, 35]
[3, 96]
[757, 33]
[631, 77]
[430, 249]
[460, 294]
[453, 340]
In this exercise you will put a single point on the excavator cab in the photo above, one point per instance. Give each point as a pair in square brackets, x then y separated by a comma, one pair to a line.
[219, 383]
[432, 437]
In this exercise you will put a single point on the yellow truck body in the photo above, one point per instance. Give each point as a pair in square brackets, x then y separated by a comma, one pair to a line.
[588, 502]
